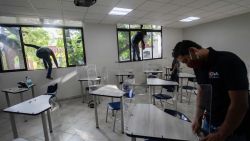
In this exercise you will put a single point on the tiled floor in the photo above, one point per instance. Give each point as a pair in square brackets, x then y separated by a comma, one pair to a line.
[75, 121]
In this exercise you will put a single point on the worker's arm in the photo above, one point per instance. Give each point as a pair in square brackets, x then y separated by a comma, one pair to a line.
[142, 44]
[34, 46]
[54, 58]
[235, 115]
[196, 124]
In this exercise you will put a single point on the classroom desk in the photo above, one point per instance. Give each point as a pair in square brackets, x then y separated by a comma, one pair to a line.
[147, 72]
[147, 121]
[109, 91]
[81, 80]
[16, 90]
[152, 82]
[120, 77]
[35, 106]
[184, 76]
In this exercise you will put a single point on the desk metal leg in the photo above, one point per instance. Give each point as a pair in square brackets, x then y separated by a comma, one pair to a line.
[21, 99]
[181, 89]
[150, 93]
[82, 92]
[13, 125]
[122, 117]
[96, 115]
[49, 121]
[152, 96]
[7, 99]
[45, 129]
[33, 92]
[133, 139]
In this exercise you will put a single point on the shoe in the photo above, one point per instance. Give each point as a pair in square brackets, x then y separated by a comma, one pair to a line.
[50, 78]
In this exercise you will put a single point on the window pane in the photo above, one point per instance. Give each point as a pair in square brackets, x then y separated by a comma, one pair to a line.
[147, 52]
[157, 45]
[135, 26]
[11, 50]
[44, 37]
[74, 46]
[156, 27]
[147, 27]
[123, 26]
[123, 46]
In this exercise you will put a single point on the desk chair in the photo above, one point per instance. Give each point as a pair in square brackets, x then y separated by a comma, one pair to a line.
[113, 106]
[52, 90]
[190, 88]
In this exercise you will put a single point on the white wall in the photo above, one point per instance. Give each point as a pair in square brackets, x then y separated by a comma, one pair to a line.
[101, 49]
[230, 34]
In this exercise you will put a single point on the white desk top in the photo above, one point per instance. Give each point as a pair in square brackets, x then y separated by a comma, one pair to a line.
[15, 90]
[167, 67]
[89, 79]
[32, 106]
[153, 71]
[160, 82]
[124, 74]
[109, 91]
[186, 75]
[149, 121]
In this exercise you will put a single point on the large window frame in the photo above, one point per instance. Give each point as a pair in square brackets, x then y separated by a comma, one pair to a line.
[129, 29]
[49, 26]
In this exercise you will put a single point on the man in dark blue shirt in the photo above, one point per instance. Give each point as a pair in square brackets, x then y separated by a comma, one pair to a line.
[45, 53]
[227, 116]
[139, 36]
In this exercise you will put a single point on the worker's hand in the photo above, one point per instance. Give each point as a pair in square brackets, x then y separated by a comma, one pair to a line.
[214, 137]
[196, 126]
[143, 46]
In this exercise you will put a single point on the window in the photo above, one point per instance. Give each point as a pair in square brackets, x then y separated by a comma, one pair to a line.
[152, 40]
[74, 47]
[11, 50]
[44, 37]
[66, 43]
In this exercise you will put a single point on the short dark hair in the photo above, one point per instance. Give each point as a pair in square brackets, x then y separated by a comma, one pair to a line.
[182, 48]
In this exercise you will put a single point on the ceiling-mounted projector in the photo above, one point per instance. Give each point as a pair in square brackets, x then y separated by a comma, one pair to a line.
[84, 3]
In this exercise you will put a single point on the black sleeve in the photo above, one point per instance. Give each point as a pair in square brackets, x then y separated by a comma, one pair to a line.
[234, 74]
[201, 76]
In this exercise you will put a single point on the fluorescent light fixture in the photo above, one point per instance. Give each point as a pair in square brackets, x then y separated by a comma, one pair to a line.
[119, 11]
[189, 19]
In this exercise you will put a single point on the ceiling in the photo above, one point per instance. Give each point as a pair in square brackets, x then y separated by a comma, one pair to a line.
[160, 12]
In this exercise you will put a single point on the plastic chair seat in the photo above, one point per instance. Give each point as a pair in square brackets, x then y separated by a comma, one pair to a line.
[188, 87]
[115, 105]
[162, 96]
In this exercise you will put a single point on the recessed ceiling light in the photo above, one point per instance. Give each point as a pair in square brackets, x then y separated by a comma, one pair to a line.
[189, 19]
[119, 11]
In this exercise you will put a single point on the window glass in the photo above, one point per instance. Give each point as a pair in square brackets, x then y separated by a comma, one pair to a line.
[44, 37]
[74, 46]
[123, 45]
[10, 49]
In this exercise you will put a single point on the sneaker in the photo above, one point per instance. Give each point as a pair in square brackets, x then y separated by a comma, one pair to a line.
[49, 78]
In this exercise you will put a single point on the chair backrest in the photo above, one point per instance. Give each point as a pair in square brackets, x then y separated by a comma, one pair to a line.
[81, 71]
[177, 114]
[104, 76]
[51, 90]
[92, 74]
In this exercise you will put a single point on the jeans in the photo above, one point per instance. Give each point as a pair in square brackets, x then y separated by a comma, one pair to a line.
[48, 65]
[212, 129]
[136, 52]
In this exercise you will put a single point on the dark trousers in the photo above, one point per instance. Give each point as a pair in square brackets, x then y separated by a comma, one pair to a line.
[48, 65]
[136, 52]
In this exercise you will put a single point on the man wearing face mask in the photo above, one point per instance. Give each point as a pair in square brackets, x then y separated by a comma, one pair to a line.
[227, 74]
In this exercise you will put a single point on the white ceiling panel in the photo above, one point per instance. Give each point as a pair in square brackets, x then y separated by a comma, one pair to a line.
[91, 20]
[150, 6]
[94, 16]
[20, 3]
[162, 1]
[182, 2]
[16, 10]
[73, 15]
[50, 13]
[99, 9]
[215, 5]
[200, 3]
[107, 2]
[127, 19]
[168, 8]
[132, 4]
[51, 4]
[181, 11]
[137, 13]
